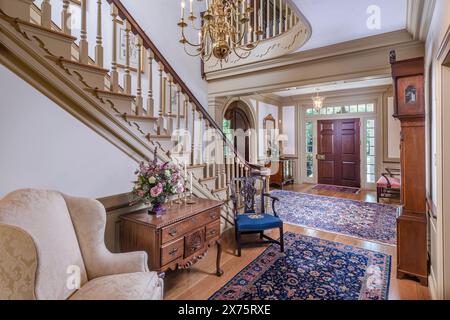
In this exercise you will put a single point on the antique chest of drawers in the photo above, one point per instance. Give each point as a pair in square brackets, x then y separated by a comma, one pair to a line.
[178, 239]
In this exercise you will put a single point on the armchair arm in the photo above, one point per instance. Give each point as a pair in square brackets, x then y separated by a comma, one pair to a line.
[118, 263]
[89, 220]
[18, 264]
[274, 200]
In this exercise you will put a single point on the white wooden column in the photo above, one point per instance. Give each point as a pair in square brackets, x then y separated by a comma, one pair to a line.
[99, 39]
[114, 73]
[84, 46]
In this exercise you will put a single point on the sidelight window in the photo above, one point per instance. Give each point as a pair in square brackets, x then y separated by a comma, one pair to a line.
[370, 151]
[309, 149]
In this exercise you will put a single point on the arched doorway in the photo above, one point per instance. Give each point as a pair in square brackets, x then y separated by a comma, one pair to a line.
[236, 125]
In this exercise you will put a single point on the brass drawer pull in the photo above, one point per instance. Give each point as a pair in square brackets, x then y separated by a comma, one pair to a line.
[173, 232]
[173, 251]
[213, 215]
[212, 232]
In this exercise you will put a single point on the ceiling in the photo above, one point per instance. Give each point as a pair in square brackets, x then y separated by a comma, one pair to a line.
[335, 21]
[334, 86]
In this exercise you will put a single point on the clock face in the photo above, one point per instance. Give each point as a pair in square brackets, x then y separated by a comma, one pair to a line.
[410, 96]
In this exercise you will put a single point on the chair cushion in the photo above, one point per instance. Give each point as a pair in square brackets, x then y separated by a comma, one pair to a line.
[395, 182]
[248, 222]
[127, 286]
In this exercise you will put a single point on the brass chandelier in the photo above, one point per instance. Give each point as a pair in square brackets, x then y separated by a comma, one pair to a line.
[225, 27]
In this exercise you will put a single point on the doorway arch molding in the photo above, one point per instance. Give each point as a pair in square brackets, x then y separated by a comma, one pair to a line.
[246, 106]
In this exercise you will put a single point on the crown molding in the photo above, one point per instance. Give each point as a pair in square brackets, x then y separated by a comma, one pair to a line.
[352, 94]
[419, 16]
[353, 46]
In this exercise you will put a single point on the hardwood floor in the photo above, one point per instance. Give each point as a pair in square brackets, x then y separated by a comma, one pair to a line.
[201, 282]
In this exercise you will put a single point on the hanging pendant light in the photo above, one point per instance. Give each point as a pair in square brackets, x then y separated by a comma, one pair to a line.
[318, 101]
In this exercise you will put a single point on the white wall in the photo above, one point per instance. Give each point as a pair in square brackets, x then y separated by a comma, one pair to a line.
[42, 146]
[289, 129]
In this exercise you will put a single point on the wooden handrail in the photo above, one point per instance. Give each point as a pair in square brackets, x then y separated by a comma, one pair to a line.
[148, 44]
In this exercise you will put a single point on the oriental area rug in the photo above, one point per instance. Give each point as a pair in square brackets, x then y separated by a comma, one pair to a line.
[324, 187]
[364, 220]
[311, 269]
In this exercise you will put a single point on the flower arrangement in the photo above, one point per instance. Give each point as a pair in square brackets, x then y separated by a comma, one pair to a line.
[156, 183]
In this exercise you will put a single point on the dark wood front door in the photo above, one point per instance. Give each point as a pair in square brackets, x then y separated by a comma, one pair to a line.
[338, 152]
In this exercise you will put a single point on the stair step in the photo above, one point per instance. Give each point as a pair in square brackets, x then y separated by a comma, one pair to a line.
[122, 102]
[140, 118]
[207, 179]
[92, 75]
[17, 9]
[173, 116]
[159, 137]
[219, 190]
[196, 166]
[57, 43]
[209, 182]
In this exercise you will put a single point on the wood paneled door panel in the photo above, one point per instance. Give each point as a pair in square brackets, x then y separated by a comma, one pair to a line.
[339, 152]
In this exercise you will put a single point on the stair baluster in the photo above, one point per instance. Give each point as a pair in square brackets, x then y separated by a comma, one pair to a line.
[170, 106]
[46, 14]
[193, 137]
[186, 112]
[127, 74]
[114, 75]
[99, 39]
[161, 100]
[178, 88]
[84, 46]
[139, 98]
[66, 18]
[150, 100]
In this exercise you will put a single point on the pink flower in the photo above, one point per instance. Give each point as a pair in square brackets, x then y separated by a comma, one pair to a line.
[140, 193]
[156, 190]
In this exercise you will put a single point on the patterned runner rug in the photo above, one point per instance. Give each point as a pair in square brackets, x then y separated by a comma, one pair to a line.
[311, 269]
[325, 187]
[369, 221]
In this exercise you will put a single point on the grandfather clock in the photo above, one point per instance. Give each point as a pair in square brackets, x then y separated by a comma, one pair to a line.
[409, 108]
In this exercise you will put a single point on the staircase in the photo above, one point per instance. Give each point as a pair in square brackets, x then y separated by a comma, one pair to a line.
[119, 85]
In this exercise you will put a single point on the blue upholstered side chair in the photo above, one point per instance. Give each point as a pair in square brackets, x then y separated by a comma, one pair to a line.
[249, 211]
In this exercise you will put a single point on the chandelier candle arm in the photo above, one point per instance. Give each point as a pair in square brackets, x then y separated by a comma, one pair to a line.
[225, 27]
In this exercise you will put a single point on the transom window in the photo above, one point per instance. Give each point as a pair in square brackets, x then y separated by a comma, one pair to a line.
[332, 110]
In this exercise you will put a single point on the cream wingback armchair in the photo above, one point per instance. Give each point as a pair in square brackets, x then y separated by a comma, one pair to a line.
[52, 247]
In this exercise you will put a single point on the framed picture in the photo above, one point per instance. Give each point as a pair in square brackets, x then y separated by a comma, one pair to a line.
[122, 50]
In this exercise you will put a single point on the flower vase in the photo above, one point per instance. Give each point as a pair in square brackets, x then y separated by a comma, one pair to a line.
[158, 210]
